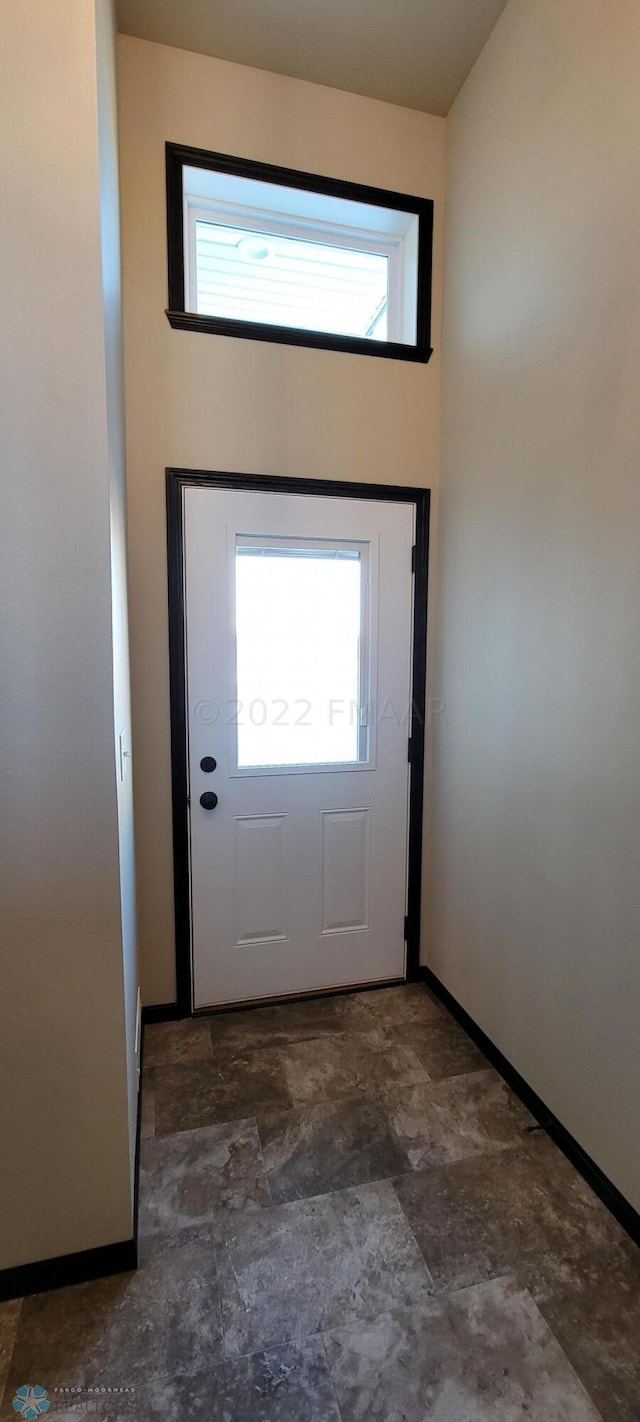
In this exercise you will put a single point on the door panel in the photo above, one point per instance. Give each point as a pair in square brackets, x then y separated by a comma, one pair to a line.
[259, 879]
[298, 638]
[346, 863]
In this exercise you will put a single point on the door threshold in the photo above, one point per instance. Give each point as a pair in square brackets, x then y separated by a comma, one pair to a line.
[216, 1008]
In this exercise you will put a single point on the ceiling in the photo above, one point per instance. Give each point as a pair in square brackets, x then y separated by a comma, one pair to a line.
[412, 52]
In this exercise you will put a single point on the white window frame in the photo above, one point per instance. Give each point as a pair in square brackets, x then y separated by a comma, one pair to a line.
[275, 224]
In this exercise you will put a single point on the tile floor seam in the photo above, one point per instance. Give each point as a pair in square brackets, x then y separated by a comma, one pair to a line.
[233, 1358]
[568, 1359]
[339, 1189]
[219, 1295]
[331, 1377]
[309, 1199]
[493, 1150]
[264, 1163]
[5, 1384]
[212, 1125]
[565, 1354]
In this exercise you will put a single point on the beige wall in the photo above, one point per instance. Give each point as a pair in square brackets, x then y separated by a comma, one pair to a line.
[66, 1179]
[114, 390]
[219, 403]
[536, 812]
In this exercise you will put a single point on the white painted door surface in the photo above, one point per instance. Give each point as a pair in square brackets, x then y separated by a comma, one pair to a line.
[298, 630]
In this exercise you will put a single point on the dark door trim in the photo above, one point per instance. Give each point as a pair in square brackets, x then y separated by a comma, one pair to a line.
[179, 479]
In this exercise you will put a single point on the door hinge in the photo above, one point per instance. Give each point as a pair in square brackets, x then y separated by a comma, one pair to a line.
[409, 747]
[406, 928]
[413, 559]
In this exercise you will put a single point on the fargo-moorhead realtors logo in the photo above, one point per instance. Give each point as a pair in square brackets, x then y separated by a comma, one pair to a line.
[30, 1402]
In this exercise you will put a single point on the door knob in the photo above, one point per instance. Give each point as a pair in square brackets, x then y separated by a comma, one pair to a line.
[208, 763]
[209, 800]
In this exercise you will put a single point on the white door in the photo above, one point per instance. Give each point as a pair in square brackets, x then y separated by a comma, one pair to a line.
[298, 635]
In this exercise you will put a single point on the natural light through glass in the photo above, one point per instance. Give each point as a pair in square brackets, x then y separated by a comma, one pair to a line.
[290, 281]
[298, 631]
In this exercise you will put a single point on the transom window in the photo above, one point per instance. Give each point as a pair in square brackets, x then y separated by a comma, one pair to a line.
[283, 256]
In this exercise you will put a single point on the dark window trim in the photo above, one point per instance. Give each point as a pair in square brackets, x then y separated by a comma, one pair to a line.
[178, 155]
[177, 480]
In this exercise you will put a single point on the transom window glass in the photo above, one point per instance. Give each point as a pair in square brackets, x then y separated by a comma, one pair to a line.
[301, 652]
[279, 255]
[290, 281]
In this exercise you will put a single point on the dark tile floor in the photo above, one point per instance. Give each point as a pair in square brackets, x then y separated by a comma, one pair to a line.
[343, 1217]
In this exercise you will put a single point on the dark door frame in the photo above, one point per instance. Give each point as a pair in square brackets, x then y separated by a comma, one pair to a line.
[179, 479]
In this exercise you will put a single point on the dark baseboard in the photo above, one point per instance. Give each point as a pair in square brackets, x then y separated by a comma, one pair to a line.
[87, 1264]
[68, 1269]
[136, 1167]
[161, 1012]
[624, 1212]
